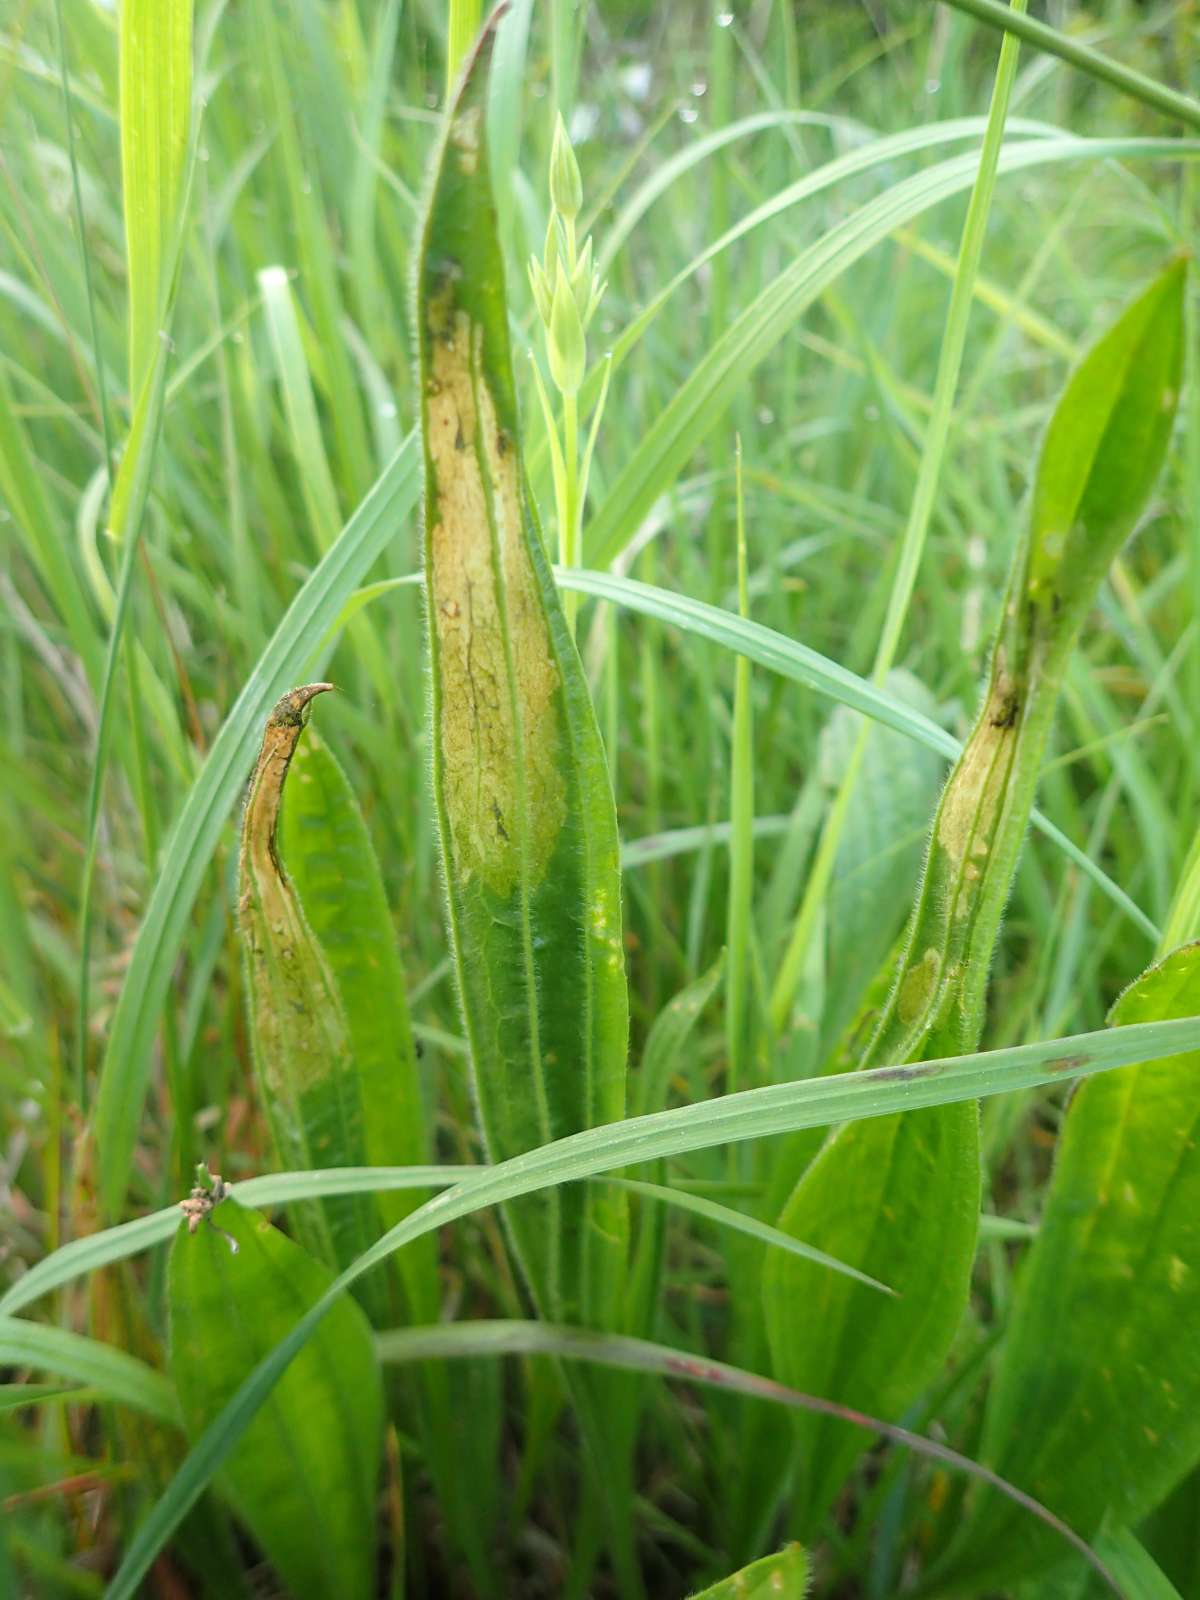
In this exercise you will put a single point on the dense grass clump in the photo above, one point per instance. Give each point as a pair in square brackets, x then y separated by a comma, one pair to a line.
[608, 1087]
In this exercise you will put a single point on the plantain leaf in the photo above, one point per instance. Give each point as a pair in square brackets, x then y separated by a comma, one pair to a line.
[303, 1476]
[899, 1198]
[525, 809]
[333, 867]
[332, 864]
[784, 1576]
[1134, 1568]
[901, 1205]
[308, 1079]
[1096, 1406]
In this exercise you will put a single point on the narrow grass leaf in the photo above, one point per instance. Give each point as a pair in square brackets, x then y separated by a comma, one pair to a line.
[797, 661]
[196, 833]
[295, 386]
[96, 1250]
[111, 1373]
[740, 1222]
[16, 1396]
[156, 100]
[668, 1036]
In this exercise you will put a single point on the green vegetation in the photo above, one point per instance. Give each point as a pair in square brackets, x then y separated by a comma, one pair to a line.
[663, 1146]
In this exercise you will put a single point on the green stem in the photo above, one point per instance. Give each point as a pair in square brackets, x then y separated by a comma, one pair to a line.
[1042, 37]
[568, 511]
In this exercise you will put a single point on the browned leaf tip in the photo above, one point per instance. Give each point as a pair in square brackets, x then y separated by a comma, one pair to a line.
[290, 710]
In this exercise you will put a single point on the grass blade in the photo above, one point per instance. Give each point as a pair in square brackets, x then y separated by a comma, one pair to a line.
[740, 1222]
[1042, 37]
[112, 1373]
[701, 401]
[797, 661]
[197, 831]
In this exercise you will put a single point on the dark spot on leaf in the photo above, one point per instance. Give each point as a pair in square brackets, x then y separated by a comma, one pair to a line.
[1067, 1063]
[1010, 710]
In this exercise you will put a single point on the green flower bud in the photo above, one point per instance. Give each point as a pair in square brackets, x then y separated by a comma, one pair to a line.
[566, 346]
[566, 186]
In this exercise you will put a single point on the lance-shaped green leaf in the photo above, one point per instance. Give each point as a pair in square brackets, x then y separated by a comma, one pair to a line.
[525, 809]
[332, 865]
[301, 1041]
[779, 1577]
[334, 870]
[899, 1198]
[303, 1476]
[1096, 1408]
[1102, 453]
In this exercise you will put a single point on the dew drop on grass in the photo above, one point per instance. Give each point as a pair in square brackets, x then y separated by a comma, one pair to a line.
[725, 19]
[688, 114]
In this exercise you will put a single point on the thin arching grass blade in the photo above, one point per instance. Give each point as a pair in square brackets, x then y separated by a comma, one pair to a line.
[198, 829]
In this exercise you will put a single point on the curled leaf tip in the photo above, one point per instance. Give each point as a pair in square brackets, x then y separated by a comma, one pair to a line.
[291, 709]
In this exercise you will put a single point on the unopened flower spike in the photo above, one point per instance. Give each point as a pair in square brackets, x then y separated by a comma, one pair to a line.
[566, 186]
